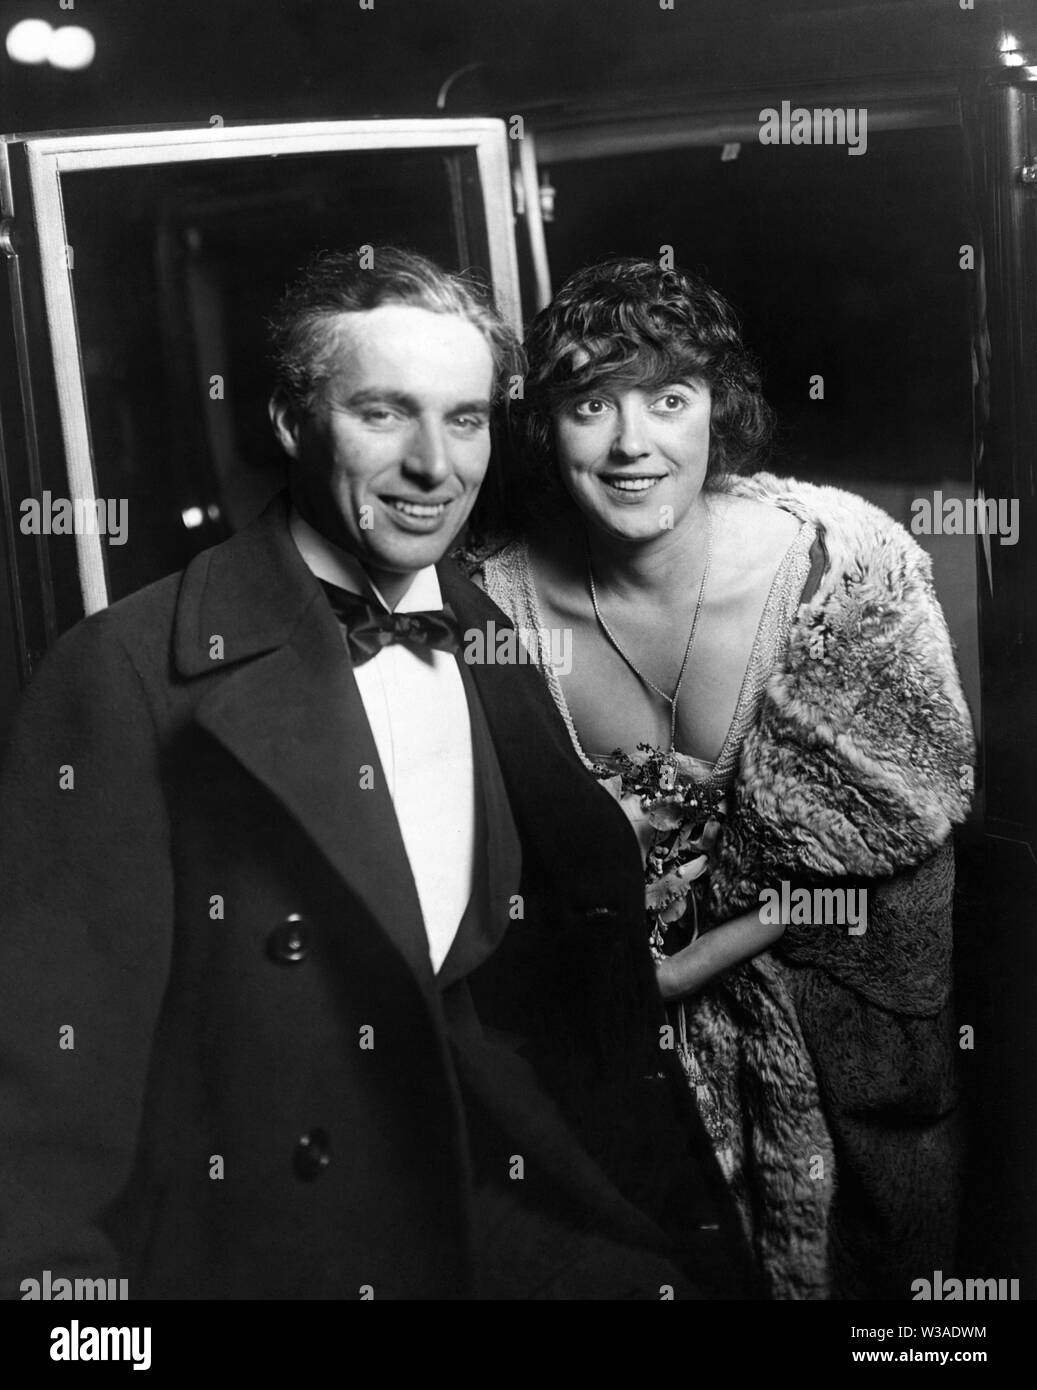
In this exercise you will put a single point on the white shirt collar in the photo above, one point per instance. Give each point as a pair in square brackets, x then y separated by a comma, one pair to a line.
[336, 566]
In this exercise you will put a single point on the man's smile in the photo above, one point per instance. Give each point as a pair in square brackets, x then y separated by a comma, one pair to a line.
[420, 514]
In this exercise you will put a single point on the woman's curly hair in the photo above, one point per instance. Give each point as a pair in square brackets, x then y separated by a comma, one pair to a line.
[629, 322]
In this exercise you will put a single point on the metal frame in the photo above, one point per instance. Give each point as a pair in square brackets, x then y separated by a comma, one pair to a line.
[49, 156]
[528, 164]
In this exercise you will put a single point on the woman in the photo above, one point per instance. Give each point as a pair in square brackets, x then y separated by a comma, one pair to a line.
[761, 673]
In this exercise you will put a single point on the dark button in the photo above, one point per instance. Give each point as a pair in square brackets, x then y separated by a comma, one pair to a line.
[290, 942]
[597, 916]
[312, 1154]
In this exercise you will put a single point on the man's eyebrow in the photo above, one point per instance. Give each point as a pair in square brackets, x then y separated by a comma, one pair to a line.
[383, 394]
[404, 401]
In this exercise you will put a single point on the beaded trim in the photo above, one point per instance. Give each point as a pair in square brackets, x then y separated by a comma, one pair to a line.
[509, 583]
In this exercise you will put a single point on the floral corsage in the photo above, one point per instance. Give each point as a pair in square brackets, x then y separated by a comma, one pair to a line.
[681, 822]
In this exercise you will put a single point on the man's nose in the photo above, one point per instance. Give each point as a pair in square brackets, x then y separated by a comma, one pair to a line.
[427, 454]
[629, 439]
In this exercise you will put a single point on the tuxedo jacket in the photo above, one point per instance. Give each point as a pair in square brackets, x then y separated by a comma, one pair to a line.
[227, 1069]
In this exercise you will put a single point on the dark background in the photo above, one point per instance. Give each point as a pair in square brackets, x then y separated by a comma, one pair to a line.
[252, 59]
[838, 265]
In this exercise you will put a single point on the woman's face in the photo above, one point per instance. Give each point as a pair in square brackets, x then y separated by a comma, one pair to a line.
[634, 459]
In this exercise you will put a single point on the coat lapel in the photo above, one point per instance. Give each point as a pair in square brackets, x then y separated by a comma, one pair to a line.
[558, 806]
[284, 702]
[498, 854]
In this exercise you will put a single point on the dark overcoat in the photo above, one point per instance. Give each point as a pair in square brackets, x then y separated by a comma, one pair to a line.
[225, 1069]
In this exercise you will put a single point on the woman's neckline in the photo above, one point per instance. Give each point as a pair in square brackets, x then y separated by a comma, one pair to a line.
[717, 771]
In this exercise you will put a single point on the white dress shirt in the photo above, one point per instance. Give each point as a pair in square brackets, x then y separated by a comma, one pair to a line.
[416, 705]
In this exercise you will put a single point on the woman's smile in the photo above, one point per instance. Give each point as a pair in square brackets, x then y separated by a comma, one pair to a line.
[631, 487]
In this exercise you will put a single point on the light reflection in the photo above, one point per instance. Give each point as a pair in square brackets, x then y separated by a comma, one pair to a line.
[29, 41]
[72, 48]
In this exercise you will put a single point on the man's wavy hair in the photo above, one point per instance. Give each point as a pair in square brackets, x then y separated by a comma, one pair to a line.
[304, 352]
[627, 322]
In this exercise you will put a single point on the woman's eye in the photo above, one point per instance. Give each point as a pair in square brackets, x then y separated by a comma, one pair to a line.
[591, 407]
[672, 401]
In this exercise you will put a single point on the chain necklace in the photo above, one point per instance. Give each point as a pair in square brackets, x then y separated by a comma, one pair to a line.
[671, 700]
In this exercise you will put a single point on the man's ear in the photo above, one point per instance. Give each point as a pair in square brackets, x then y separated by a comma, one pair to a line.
[285, 421]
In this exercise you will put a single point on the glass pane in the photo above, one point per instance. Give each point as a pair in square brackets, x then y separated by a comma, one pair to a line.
[175, 268]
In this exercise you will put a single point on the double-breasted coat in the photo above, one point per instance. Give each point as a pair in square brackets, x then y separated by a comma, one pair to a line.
[226, 1067]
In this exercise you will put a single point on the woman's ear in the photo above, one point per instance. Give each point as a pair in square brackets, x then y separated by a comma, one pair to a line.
[285, 421]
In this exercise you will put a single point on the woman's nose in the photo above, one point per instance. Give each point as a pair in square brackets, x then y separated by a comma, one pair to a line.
[629, 440]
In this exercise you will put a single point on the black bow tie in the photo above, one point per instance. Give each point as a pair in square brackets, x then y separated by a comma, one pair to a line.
[369, 628]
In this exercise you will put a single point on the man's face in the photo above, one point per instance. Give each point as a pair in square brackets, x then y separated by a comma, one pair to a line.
[388, 461]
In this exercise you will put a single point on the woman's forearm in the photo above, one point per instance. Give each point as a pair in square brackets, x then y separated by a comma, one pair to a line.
[711, 955]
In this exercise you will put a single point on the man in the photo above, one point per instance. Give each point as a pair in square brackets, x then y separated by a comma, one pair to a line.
[323, 961]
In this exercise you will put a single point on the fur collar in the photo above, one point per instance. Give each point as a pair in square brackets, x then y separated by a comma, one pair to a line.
[861, 759]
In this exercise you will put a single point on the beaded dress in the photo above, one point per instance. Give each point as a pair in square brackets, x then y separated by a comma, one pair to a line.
[731, 1099]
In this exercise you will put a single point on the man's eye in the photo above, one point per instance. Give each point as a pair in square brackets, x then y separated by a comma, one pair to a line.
[591, 407]
[469, 424]
[378, 415]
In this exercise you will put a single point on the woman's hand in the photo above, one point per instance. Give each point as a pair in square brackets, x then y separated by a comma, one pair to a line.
[720, 950]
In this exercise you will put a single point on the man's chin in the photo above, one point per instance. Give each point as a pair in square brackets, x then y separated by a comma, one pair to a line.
[412, 554]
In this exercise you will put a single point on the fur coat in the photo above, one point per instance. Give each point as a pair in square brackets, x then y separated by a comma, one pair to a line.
[857, 767]
[823, 1068]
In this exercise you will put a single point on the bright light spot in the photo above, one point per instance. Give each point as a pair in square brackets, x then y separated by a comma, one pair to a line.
[72, 48]
[192, 517]
[29, 41]
[1031, 73]
[1008, 51]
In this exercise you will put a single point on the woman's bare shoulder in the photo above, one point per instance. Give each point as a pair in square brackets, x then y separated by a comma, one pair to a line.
[755, 528]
